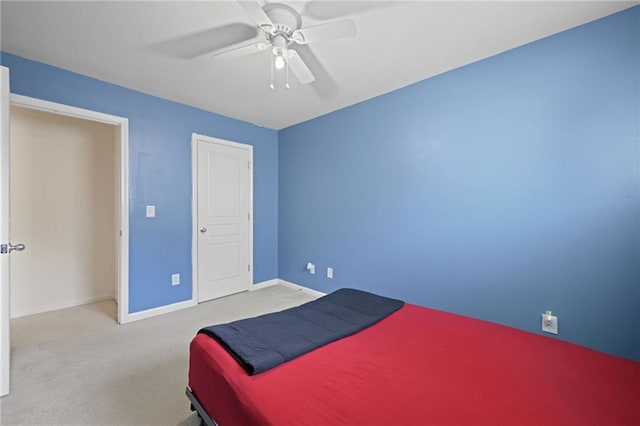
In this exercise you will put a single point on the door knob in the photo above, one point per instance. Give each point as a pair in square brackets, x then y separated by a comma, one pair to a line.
[203, 230]
[8, 248]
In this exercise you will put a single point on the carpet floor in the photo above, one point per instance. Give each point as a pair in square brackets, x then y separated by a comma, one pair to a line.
[79, 367]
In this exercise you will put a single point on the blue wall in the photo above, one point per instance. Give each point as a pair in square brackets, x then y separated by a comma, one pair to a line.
[160, 174]
[498, 190]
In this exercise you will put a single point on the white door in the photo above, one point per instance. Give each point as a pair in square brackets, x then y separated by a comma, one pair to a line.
[224, 224]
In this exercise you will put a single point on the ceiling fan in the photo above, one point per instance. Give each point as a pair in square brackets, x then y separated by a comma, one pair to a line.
[278, 27]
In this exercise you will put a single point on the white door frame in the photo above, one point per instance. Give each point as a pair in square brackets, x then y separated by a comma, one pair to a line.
[194, 205]
[123, 168]
[5, 343]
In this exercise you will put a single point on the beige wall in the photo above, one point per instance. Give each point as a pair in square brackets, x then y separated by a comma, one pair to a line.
[63, 207]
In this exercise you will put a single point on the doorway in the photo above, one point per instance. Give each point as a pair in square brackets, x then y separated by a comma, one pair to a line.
[122, 228]
[120, 195]
[64, 208]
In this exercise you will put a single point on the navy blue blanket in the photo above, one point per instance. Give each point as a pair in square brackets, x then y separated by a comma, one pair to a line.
[266, 341]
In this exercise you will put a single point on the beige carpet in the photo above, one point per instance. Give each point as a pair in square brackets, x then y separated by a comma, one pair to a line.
[78, 367]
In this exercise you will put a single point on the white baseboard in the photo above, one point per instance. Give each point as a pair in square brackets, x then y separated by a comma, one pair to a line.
[307, 290]
[264, 284]
[297, 287]
[55, 306]
[136, 316]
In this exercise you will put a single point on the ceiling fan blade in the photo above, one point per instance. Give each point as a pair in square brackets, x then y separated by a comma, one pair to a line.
[201, 43]
[257, 14]
[299, 68]
[239, 50]
[330, 31]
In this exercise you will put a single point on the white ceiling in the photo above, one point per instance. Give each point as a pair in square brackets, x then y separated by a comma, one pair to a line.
[150, 46]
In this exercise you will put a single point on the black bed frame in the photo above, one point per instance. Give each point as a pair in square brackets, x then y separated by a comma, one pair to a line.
[205, 419]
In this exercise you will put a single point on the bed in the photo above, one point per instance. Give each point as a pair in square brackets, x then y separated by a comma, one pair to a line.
[420, 366]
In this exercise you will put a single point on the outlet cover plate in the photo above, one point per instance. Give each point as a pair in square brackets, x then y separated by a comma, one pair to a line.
[550, 324]
[175, 279]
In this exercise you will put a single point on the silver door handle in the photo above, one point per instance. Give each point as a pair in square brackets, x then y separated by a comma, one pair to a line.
[8, 248]
[17, 247]
[203, 230]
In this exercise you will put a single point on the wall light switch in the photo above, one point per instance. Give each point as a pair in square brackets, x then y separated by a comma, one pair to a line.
[151, 211]
[330, 273]
[175, 279]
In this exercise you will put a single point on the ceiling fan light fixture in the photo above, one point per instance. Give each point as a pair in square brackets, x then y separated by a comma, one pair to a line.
[279, 51]
[280, 54]
[279, 57]
[279, 62]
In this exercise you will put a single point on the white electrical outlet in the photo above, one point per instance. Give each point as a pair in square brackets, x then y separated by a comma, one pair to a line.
[175, 279]
[549, 323]
[330, 273]
[151, 211]
[311, 268]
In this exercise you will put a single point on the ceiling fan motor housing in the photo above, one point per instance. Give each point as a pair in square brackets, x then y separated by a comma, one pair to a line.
[284, 18]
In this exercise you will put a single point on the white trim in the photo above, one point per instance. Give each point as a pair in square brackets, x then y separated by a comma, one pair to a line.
[307, 290]
[71, 111]
[264, 284]
[154, 312]
[55, 307]
[123, 261]
[194, 205]
[123, 126]
[5, 305]
[278, 281]
[194, 219]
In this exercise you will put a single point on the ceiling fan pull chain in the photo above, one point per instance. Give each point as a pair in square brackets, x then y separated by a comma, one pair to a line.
[287, 83]
[271, 85]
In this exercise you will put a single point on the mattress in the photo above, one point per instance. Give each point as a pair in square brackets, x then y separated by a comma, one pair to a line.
[423, 366]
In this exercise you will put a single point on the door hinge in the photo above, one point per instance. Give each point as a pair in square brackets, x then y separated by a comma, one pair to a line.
[249, 216]
[249, 165]
[249, 268]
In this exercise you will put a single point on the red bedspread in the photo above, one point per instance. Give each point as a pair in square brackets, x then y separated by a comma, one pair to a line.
[421, 366]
